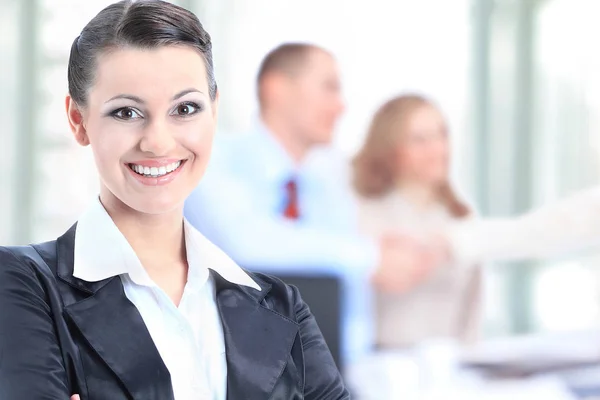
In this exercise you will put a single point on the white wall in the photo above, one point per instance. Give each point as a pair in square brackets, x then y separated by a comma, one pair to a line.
[566, 293]
[384, 48]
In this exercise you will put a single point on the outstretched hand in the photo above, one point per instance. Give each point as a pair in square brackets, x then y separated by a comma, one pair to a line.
[405, 263]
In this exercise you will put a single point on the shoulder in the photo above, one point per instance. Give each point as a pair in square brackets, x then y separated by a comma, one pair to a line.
[16, 271]
[229, 156]
[278, 295]
[375, 213]
[372, 203]
[13, 257]
[273, 285]
[29, 260]
[228, 146]
[8, 257]
[330, 162]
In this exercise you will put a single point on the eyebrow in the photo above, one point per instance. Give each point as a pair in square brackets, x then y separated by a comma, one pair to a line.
[184, 92]
[140, 101]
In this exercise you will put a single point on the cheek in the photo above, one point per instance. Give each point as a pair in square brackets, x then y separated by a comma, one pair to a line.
[335, 104]
[445, 154]
[310, 105]
[327, 104]
[110, 142]
[409, 158]
[437, 165]
[198, 140]
[439, 155]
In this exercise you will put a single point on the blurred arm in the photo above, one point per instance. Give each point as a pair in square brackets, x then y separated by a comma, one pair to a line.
[568, 225]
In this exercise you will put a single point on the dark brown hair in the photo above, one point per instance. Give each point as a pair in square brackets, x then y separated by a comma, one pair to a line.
[375, 167]
[139, 24]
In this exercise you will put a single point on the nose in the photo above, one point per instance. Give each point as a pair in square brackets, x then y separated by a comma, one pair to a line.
[157, 139]
[341, 105]
[335, 105]
[438, 149]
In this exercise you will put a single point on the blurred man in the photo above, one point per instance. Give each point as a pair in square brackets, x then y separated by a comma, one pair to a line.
[275, 206]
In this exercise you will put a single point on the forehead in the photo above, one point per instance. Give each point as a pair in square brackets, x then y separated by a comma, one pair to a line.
[425, 113]
[320, 62]
[425, 117]
[150, 72]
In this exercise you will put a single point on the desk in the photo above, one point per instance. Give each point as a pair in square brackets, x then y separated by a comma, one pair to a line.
[433, 371]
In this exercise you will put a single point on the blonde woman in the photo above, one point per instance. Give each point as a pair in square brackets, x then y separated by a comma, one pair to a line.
[401, 175]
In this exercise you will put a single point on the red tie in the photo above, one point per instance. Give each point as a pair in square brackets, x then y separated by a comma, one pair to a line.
[291, 210]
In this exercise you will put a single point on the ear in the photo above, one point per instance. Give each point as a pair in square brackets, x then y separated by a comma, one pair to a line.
[75, 116]
[275, 88]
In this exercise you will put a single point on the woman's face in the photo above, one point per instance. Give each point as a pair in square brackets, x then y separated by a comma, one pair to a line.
[423, 151]
[150, 122]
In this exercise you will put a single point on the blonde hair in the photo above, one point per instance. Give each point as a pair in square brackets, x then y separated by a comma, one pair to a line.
[375, 166]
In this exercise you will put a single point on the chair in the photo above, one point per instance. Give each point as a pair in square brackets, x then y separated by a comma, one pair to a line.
[322, 294]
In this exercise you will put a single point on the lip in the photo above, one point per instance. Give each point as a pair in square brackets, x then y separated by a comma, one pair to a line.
[160, 180]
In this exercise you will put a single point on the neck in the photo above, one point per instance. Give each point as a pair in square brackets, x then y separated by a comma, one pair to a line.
[158, 240]
[290, 140]
[420, 195]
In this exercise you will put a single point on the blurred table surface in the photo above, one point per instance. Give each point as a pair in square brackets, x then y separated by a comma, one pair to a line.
[442, 370]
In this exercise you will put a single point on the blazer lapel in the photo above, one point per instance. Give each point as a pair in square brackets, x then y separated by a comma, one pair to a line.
[114, 328]
[258, 341]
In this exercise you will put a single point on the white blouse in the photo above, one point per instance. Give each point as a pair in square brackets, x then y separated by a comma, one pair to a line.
[446, 305]
[189, 337]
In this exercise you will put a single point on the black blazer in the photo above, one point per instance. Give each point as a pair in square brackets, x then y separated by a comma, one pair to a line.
[60, 335]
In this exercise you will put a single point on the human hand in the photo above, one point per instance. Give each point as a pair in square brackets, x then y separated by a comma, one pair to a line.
[405, 263]
[440, 248]
[75, 397]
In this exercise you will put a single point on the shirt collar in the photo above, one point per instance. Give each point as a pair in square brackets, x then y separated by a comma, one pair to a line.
[96, 232]
[276, 164]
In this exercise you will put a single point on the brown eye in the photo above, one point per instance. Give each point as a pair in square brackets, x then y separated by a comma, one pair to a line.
[126, 114]
[186, 109]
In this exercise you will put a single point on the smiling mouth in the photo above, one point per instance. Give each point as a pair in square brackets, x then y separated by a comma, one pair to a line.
[155, 172]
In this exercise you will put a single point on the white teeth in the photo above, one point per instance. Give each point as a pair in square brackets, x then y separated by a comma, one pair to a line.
[155, 171]
[172, 167]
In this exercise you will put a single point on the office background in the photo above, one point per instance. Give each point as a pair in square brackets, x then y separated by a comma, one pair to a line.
[518, 79]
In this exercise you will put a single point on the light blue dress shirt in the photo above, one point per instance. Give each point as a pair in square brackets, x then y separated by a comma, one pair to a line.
[239, 204]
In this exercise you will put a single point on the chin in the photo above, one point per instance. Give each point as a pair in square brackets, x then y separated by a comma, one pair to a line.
[156, 201]
[155, 205]
[437, 177]
[438, 182]
[324, 138]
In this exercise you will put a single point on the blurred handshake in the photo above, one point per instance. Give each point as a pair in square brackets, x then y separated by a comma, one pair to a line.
[406, 262]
